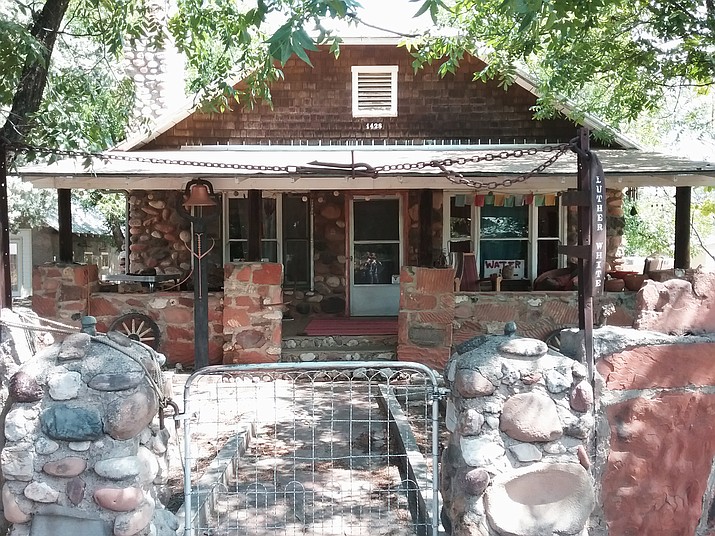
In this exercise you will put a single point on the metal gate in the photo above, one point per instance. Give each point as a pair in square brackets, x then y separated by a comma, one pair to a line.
[329, 449]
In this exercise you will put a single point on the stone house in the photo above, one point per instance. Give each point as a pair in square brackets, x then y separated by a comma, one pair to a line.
[342, 198]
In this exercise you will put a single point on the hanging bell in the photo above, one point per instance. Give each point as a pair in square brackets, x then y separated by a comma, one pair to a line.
[199, 193]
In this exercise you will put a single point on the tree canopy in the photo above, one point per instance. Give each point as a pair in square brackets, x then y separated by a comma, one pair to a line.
[615, 58]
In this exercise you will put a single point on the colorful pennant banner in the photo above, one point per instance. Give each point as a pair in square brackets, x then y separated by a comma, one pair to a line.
[517, 200]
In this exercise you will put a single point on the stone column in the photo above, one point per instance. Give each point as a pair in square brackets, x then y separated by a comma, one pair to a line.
[83, 454]
[426, 315]
[61, 290]
[252, 312]
[521, 424]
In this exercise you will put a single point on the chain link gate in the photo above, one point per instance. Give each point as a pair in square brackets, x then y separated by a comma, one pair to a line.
[324, 449]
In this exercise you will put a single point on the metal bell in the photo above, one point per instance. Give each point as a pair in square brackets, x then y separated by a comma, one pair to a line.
[199, 193]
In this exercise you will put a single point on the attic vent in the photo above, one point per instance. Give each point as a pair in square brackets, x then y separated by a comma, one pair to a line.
[375, 91]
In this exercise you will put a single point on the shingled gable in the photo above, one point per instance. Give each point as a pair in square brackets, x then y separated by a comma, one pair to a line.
[312, 107]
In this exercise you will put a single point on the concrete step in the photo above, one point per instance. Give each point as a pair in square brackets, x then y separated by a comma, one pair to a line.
[303, 355]
[299, 349]
[339, 342]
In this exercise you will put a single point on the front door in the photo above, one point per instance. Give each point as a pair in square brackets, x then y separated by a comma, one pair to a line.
[376, 256]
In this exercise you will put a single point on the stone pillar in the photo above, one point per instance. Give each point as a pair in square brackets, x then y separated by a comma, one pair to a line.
[61, 290]
[521, 426]
[252, 312]
[426, 315]
[83, 454]
[157, 71]
[158, 235]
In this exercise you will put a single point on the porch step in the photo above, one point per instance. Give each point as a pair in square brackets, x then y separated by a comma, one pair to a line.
[339, 348]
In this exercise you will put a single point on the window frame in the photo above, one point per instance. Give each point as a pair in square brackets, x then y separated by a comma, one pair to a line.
[357, 71]
[532, 239]
[279, 239]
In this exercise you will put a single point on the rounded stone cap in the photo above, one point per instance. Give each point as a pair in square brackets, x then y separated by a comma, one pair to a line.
[543, 498]
[524, 348]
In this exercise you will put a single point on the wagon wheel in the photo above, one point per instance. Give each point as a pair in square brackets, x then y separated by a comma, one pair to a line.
[553, 340]
[138, 327]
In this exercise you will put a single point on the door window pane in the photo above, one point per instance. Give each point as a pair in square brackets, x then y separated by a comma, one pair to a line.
[295, 217]
[503, 250]
[296, 258]
[460, 221]
[14, 267]
[375, 264]
[237, 219]
[378, 219]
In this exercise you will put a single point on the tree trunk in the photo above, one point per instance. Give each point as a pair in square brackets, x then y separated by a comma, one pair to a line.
[28, 95]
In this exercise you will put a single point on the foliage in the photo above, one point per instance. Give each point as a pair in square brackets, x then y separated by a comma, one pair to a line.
[614, 58]
[649, 231]
[225, 40]
[28, 206]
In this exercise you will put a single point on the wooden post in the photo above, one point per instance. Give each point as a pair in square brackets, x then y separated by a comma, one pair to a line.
[5, 283]
[682, 227]
[255, 200]
[425, 214]
[64, 217]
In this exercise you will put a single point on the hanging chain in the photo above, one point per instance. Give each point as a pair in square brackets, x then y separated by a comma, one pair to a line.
[356, 169]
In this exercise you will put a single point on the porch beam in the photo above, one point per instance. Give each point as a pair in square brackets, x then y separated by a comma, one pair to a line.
[425, 252]
[64, 217]
[254, 225]
[682, 227]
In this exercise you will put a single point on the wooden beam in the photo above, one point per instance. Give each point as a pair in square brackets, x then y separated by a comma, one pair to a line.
[682, 227]
[64, 217]
[425, 254]
[255, 199]
[5, 283]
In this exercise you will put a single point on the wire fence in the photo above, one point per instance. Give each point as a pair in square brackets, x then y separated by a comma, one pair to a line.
[329, 449]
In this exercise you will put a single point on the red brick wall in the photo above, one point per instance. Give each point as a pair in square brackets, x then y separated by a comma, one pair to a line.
[173, 313]
[62, 290]
[315, 103]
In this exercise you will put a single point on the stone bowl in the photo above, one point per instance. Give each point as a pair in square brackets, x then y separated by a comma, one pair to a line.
[634, 281]
[541, 499]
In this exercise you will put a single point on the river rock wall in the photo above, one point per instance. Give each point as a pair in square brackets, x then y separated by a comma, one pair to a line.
[521, 433]
[83, 452]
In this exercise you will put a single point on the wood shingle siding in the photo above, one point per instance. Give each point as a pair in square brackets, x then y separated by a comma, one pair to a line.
[315, 105]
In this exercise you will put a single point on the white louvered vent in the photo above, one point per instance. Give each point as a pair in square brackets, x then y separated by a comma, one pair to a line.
[375, 91]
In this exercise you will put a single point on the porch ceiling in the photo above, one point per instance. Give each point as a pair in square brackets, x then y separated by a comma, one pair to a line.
[626, 168]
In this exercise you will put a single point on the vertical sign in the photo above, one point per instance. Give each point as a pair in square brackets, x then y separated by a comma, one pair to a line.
[598, 226]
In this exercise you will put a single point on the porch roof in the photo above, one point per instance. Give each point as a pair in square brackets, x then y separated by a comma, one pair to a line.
[260, 167]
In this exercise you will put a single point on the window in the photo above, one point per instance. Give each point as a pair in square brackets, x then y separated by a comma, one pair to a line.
[238, 229]
[504, 237]
[526, 236]
[285, 234]
[374, 91]
[296, 240]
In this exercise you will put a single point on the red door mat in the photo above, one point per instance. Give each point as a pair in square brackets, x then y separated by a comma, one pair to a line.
[351, 326]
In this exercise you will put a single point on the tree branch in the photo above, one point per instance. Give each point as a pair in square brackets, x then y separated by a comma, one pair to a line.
[28, 97]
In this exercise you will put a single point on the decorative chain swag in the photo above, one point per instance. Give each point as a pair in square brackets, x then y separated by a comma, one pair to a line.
[356, 169]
